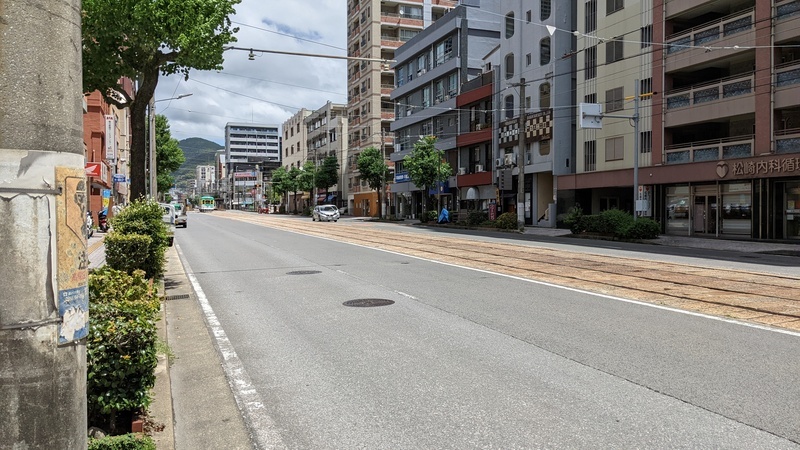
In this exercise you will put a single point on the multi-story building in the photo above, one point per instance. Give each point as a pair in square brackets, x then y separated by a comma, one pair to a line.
[326, 135]
[205, 177]
[250, 150]
[295, 151]
[535, 79]
[375, 29]
[719, 141]
[430, 69]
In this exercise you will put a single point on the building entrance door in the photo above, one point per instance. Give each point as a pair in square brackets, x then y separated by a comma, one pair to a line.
[704, 220]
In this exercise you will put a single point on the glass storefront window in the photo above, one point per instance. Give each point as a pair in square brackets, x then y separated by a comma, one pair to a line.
[678, 210]
[737, 209]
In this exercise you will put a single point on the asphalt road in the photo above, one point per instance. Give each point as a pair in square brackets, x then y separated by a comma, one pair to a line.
[470, 359]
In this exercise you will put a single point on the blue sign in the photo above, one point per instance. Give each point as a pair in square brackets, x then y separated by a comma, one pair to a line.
[106, 193]
[119, 178]
[73, 307]
[401, 177]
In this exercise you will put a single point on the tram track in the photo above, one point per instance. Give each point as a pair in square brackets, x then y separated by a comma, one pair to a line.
[738, 294]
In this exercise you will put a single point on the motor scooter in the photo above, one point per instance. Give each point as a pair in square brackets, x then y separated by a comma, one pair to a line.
[102, 221]
[89, 225]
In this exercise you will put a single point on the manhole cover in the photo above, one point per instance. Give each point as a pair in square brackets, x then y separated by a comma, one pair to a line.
[304, 272]
[368, 302]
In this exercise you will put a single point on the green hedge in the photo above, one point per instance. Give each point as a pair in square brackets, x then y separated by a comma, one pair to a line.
[143, 217]
[476, 218]
[507, 221]
[127, 252]
[121, 347]
[612, 222]
[123, 442]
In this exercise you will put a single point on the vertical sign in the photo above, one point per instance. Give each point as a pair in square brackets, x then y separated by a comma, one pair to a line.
[72, 270]
[111, 138]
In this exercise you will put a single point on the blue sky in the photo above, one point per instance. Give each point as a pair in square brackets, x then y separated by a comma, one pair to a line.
[271, 88]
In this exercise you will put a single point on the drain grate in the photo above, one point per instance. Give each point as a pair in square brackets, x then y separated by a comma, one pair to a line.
[177, 297]
[368, 302]
[303, 272]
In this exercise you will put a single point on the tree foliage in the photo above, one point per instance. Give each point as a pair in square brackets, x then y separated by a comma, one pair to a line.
[425, 165]
[169, 155]
[142, 39]
[373, 170]
[327, 173]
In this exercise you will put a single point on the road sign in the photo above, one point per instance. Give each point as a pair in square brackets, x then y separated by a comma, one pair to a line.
[119, 177]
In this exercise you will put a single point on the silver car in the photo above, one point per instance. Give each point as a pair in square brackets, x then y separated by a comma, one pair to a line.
[326, 213]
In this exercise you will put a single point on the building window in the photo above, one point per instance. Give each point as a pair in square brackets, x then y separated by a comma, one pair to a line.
[615, 149]
[509, 25]
[590, 63]
[646, 87]
[528, 16]
[614, 99]
[590, 156]
[406, 35]
[544, 147]
[544, 95]
[614, 50]
[509, 106]
[613, 6]
[544, 9]
[646, 36]
[528, 102]
[509, 65]
[544, 51]
[443, 51]
[646, 142]
[590, 98]
[528, 59]
[591, 16]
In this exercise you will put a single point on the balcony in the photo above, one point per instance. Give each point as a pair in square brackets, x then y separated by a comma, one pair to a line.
[712, 150]
[787, 20]
[787, 141]
[387, 114]
[386, 89]
[407, 21]
[687, 48]
[721, 98]
[787, 84]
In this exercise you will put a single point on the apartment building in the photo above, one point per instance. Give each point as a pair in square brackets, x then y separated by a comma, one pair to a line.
[430, 69]
[375, 29]
[535, 68]
[295, 151]
[326, 135]
[719, 141]
[205, 179]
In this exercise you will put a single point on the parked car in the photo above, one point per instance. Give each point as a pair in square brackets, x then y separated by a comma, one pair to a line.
[326, 213]
[180, 218]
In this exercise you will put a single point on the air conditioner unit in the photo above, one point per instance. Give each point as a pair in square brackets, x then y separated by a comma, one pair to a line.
[498, 162]
[508, 159]
[462, 170]
[478, 167]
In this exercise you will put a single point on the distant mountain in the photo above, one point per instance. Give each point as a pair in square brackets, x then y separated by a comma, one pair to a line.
[198, 152]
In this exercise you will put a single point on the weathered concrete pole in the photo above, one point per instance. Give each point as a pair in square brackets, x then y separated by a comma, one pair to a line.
[43, 296]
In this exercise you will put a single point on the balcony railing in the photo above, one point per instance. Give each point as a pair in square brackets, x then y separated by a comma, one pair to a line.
[712, 150]
[710, 92]
[709, 32]
[785, 10]
[787, 74]
[787, 141]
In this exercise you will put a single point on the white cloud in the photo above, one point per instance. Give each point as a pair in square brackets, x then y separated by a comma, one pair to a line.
[272, 87]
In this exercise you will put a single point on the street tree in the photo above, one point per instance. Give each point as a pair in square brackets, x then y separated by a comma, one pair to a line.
[169, 155]
[142, 39]
[327, 173]
[293, 183]
[281, 184]
[426, 166]
[374, 171]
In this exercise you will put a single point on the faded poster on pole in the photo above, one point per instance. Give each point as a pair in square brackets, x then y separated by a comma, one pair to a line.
[72, 271]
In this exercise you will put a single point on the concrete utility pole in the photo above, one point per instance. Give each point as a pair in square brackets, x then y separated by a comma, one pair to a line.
[521, 157]
[43, 190]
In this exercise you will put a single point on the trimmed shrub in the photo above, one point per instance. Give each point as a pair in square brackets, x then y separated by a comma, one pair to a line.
[574, 220]
[144, 217]
[644, 228]
[127, 252]
[123, 442]
[475, 218]
[614, 222]
[121, 349]
[507, 221]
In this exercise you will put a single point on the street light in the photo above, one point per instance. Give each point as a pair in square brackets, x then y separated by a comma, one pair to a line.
[152, 121]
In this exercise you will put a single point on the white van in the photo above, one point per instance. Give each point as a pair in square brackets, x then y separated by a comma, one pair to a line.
[168, 216]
